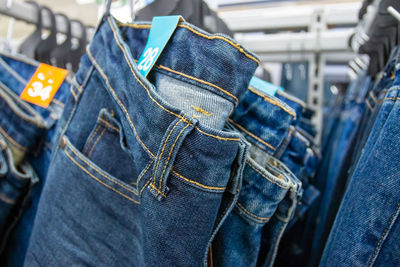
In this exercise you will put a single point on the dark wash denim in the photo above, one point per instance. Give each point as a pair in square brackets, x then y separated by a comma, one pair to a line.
[28, 131]
[367, 228]
[144, 174]
[269, 194]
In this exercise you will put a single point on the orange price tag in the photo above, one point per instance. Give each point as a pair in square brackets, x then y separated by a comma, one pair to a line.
[43, 85]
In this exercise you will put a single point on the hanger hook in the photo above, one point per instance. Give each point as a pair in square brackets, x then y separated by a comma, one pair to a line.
[394, 12]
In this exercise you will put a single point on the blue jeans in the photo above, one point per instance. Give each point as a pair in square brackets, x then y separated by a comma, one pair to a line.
[270, 192]
[181, 171]
[367, 227]
[28, 131]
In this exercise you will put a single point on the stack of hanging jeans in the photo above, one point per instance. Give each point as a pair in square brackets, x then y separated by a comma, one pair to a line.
[26, 141]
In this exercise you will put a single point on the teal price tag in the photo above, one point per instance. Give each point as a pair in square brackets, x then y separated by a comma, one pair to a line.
[264, 86]
[162, 28]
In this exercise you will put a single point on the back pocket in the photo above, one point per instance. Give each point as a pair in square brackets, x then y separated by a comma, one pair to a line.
[106, 146]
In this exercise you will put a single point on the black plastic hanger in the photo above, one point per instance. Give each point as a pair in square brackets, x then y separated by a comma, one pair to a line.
[76, 53]
[60, 55]
[28, 47]
[44, 48]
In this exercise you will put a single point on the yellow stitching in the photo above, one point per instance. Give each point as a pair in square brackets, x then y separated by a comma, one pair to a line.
[145, 185]
[196, 183]
[199, 109]
[157, 190]
[393, 89]
[6, 199]
[149, 94]
[198, 80]
[170, 152]
[102, 174]
[294, 99]
[162, 149]
[12, 140]
[109, 125]
[236, 45]
[252, 135]
[90, 139]
[251, 214]
[369, 105]
[265, 176]
[73, 93]
[119, 101]
[97, 140]
[77, 85]
[274, 102]
[58, 102]
[98, 180]
[392, 98]
[144, 172]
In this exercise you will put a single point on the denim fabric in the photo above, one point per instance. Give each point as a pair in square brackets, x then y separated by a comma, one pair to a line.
[181, 171]
[29, 131]
[270, 191]
[366, 229]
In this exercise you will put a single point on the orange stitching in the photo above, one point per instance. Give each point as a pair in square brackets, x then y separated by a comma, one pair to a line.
[170, 152]
[119, 101]
[196, 183]
[393, 89]
[77, 85]
[95, 143]
[200, 81]
[12, 140]
[274, 102]
[98, 180]
[145, 185]
[236, 45]
[109, 125]
[251, 134]
[144, 172]
[58, 102]
[149, 94]
[265, 176]
[90, 139]
[392, 98]
[98, 171]
[294, 99]
[251, 214]
[6, 199]
[162, 149]
[73, 93]
[202, 111]
[157, 190]
[383, 234]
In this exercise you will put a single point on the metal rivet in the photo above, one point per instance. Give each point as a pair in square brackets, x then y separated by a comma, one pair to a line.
[63, 142]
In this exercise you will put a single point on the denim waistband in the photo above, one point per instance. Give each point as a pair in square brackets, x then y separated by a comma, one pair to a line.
[264, 120]
[211, 62]
[22, 123]
[298, 105]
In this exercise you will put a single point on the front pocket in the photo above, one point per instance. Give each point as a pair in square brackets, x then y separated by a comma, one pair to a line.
[107, 148]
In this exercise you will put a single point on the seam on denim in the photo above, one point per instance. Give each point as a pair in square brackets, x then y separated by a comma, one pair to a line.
[266, 177]
[240, 206]
[392, 98]
[162, 150]
[369, 105]
[98, 180]
[373, 258]
[97, 140]
[235, 45]
[149, 94]
[99, 172]
[89, 142]
[19, 146]
[197, 183]
[393, 89]
[143, 173]
[252, 135]
[202, 111]
[109, 125]
[58, 102]
[6, 199]
[155, 188]
[200, 81]
[170, 153]
[120, 103]
[276, 103]
[73, 93]
[292, 98]
[145, 185]
[371, 94]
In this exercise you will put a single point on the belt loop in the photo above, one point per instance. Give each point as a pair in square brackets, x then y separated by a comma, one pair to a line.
[170, 145]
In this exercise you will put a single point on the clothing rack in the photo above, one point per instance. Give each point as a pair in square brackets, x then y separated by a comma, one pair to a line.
[27, 13]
